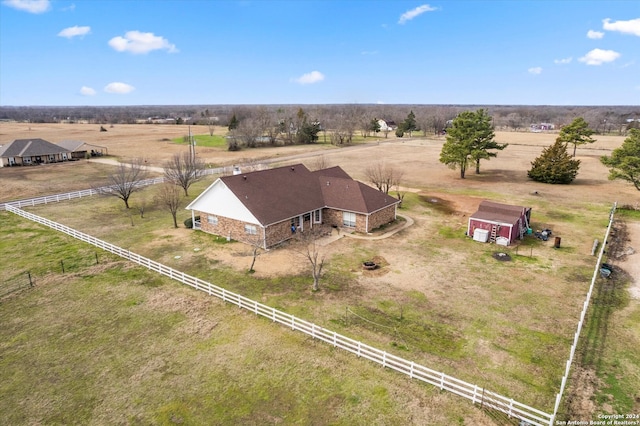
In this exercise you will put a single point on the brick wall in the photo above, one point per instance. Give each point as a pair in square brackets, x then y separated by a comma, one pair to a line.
[230, 228]
[281, 231]
[382, 217]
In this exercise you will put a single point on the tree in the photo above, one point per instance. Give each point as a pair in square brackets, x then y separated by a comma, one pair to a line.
[374, 126]
[310, 249]
[384, 177]
[469, 138]
[624, 162]
[127, 179]
[233, 123]
[483, 140]
[169, 197]
[554, 165]
[308, 132]
[409, 124]
[209, 121]
[183, 170]
[576, 133]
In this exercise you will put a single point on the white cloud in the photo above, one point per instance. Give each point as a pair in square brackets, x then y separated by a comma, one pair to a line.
[87, 91]
[31, 6]
[563, 60]
[120, 88]
[631, 26]
[137, 42]
[599, 57]
[595, 34]
[310, 78]
[410, 14]
[535, 70]
[74, 32]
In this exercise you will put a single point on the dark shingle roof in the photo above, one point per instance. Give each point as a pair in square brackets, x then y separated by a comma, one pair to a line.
[497, 212]
[278, 194]
[30, 148]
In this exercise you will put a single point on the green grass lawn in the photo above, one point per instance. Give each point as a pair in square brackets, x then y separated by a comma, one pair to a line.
[215, 141]
[509, 328]
[112, 343]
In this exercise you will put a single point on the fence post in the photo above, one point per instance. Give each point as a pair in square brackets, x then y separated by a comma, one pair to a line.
[30, 281]
[97, 262]
[62, 264]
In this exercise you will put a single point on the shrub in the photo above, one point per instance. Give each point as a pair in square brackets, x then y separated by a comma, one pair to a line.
[554, 165]
[399, 133]
[188, 223]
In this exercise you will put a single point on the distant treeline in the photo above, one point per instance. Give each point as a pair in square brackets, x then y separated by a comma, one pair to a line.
[429, 118]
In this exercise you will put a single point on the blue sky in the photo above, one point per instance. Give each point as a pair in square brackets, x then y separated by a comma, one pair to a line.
[165, 52]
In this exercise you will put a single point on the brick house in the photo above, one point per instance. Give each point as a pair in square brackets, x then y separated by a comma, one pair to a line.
[265, 207]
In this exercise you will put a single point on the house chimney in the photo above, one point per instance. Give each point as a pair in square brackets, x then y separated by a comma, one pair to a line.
[292, 168]
[244, 177]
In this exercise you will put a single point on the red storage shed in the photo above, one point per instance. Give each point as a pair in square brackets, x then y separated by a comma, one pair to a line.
[499, 223]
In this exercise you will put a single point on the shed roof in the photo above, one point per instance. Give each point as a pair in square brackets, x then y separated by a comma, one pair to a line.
[497, 212]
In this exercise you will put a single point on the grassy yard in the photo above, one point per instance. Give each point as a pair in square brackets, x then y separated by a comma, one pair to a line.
[111, 343]
[513, 338]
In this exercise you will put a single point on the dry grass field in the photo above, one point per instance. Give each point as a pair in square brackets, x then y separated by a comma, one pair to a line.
[504, 325]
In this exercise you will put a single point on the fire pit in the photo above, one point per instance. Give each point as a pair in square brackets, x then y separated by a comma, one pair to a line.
[369, 265]
[503, 257]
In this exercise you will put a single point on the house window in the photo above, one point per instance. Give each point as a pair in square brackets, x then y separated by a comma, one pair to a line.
[212, 220]
[349, 219]
[317, 216]
[251, 229]
[295, 222]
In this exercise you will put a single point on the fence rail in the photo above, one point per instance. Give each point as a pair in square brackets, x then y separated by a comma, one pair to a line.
[69, 195]
[476, 394]
[89, 192]
[585, 308]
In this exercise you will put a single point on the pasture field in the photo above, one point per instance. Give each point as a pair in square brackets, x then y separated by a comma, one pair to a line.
[439, 299]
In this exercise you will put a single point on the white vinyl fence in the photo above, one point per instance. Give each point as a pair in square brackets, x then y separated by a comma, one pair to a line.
[70, 195]
[442, 381]
[89, 192]
[585, 308]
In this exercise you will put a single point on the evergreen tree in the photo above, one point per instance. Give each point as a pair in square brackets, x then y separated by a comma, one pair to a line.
[409, 124]
[308, 132]
[233, 123]
[624, 162]
[374, 126]
[483, 139]
[469, 138]
[576, 133]
[554, 165]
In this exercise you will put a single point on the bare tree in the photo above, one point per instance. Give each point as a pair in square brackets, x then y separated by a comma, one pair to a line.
[209, 121]
[127, 179]
[320, 162]
[309, 247]
[169, 197]
[184, 170]
[383, 176]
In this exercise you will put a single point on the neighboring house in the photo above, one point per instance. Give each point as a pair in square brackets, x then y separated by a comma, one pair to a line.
[499, 223]
[80, 149]
[387, 125]
[267, 207]
[541, 127]
[26, 152]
